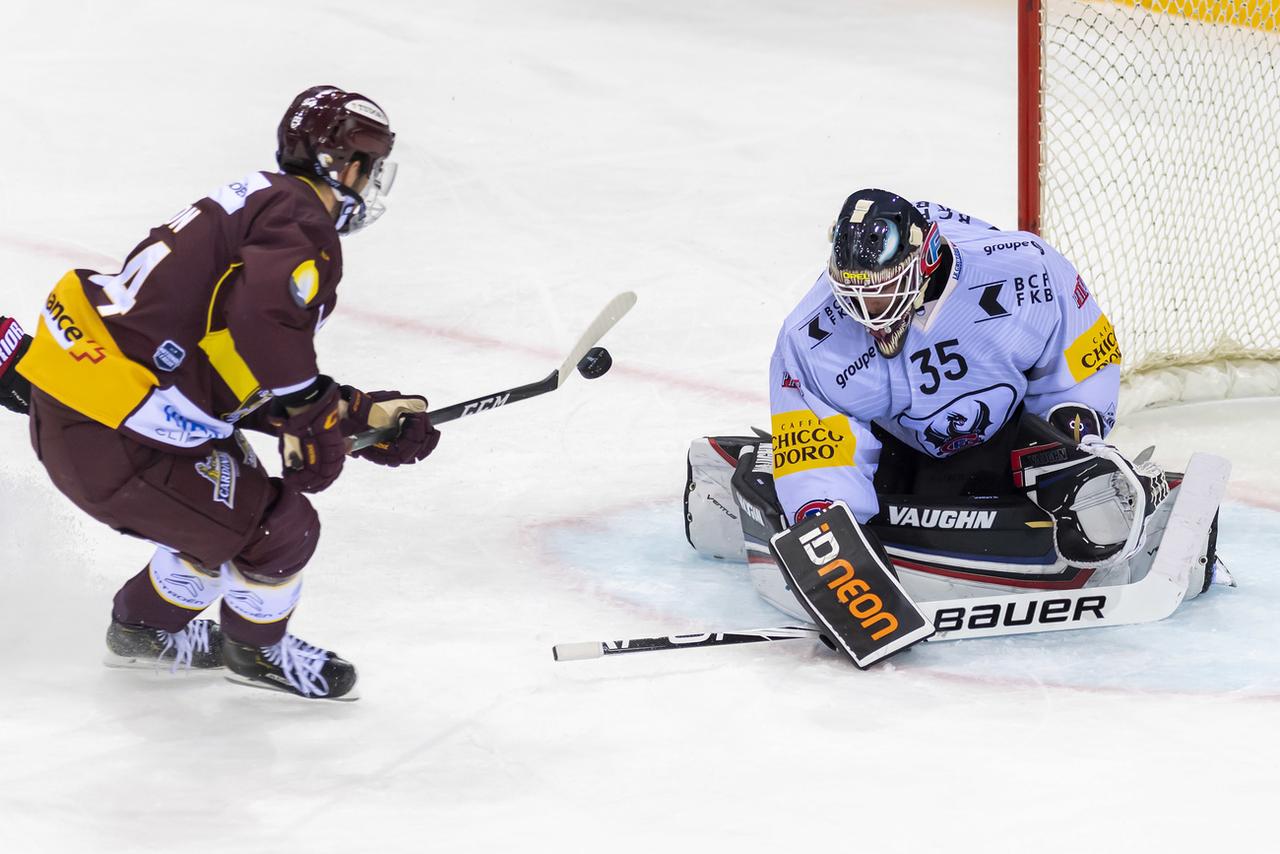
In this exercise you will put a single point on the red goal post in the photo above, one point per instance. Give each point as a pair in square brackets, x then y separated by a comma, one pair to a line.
[1149, 154]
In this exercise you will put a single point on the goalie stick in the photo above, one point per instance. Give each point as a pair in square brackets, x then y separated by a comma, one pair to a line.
[595, 649]
[604, 321]
[1153, 598]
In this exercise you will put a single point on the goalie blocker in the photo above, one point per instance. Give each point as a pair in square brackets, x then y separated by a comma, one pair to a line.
[845, 584]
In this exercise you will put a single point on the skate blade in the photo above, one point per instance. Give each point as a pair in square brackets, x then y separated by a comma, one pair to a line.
[122, 662]
[237, 679]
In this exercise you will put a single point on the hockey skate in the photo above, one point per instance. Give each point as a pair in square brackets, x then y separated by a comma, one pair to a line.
[292, 666]
[198, 646]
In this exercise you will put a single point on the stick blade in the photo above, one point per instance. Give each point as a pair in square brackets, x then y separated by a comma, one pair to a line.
[1204, 484]
[605, 320]
[580, 651]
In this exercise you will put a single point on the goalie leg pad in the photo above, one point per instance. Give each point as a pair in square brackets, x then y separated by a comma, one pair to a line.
[836, 573]
[711, 522]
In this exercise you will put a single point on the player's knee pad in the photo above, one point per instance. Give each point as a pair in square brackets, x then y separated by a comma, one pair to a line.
[1099, 500]
[285, 540]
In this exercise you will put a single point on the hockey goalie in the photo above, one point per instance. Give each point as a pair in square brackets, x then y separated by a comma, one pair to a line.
[941, 399]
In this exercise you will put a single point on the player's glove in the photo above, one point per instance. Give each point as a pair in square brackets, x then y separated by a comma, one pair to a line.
[312, 445]
[377, 410]
[15, 391]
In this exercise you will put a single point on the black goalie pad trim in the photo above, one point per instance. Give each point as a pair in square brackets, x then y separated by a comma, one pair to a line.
[757, 498]
[843, 582]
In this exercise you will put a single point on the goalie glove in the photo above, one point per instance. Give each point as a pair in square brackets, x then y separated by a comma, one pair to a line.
[15, 391]
[1099, 500]
[380, 409]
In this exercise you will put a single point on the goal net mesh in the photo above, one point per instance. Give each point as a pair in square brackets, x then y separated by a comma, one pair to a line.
[1160, 180]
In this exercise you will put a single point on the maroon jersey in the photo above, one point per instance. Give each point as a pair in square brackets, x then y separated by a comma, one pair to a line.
[212, 314]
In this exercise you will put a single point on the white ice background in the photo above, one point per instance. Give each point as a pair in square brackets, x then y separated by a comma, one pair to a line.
[553, 154]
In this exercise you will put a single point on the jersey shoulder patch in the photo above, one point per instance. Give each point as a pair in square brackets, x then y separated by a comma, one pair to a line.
[231, 197]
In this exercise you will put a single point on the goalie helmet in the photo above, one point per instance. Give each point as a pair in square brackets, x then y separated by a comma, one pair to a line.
[325, 130]
[875, 270]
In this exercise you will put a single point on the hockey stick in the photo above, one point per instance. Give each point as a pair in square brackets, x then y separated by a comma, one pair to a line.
[595, 649]
[1153, 598]
[604, 321]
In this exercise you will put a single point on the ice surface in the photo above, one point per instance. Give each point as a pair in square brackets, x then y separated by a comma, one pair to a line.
[553, 154]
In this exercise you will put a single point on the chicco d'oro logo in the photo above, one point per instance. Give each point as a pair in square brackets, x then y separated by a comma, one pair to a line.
[1096, 348]
[802, 441]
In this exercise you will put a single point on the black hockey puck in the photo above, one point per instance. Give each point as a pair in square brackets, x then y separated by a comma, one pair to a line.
[595, 363]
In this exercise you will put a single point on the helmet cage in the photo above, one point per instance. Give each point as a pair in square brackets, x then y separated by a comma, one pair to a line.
[901, 285]
[877, 257]
[361, 209]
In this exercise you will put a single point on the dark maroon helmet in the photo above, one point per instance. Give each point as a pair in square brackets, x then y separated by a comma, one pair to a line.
[324, 130]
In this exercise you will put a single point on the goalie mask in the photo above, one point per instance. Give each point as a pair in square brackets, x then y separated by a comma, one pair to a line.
[875, 269]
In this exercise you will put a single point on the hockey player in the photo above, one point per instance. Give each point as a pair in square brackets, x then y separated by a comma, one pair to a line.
[908, 367]
[952, 385]
[142, 379]
[911, 357]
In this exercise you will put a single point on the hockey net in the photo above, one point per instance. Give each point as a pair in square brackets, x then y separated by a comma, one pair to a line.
[1150, 156]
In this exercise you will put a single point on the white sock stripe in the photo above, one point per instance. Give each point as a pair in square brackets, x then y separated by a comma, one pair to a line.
[259, 603]
[179, 583]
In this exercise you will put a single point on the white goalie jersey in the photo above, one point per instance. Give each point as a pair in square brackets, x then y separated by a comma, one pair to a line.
[1013, 324]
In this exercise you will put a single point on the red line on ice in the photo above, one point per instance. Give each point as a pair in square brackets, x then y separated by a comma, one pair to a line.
[65, 251]
[664, 378]
[1254, 495]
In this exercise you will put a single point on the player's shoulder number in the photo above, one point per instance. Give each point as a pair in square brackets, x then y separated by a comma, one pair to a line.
[122, 288]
